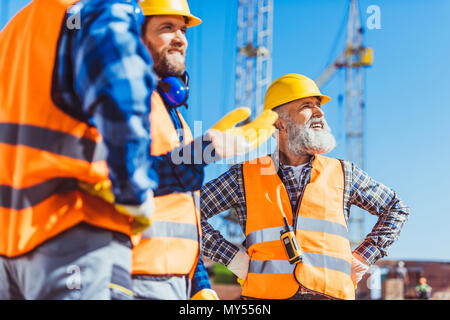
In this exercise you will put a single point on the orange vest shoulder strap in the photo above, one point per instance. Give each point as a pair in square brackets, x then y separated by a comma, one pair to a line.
[164, 136]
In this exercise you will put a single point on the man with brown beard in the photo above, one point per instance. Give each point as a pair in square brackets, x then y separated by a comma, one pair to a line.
[166, 259]
[294, 205]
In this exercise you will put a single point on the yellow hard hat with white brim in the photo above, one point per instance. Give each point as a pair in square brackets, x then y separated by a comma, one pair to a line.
[291, 87]
[169, 8]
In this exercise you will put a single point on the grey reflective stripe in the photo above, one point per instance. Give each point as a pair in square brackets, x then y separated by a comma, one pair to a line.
[148, 287]
[309, 224]
[171, 230]
[319, 225]
[312, 259]
[19, 199]
[271, 266]
[328, 262]
[263, 235]
[53, 141]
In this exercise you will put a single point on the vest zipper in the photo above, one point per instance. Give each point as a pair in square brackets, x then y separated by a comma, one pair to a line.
[299, 201]
[297, 210]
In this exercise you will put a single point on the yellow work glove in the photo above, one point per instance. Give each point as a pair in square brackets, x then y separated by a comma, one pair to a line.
[140, 214]
[232, 118]
[205, 294]
[241, 282]
[230, 140]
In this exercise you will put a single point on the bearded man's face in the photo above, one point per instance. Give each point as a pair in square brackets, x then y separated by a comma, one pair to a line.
[314, 137]
[165, 37]
[307, 132]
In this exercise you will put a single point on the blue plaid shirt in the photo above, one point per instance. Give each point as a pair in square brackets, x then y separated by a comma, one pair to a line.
[185, 176]
[200, 281]
[104, 76]
[227, 192]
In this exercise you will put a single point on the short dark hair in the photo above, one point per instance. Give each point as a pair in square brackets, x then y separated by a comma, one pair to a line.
[144, 25]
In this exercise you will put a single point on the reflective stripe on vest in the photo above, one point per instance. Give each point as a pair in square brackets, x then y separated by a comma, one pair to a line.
[52, 141]
[321, 232]
[312, 259]
[164, 229]
[171, 245]
[19, 199]
[303, 223]
[44, 151]
[271, 267]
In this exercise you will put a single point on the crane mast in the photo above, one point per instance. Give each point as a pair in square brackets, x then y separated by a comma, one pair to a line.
[253, 71]
[353, 61]
[254, 58]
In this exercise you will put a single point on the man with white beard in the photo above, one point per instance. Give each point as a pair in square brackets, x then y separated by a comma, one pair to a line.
[294, 206]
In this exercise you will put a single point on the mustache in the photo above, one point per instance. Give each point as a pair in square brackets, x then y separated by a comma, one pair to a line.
[179, 48]
[320, 120]
[303, 139]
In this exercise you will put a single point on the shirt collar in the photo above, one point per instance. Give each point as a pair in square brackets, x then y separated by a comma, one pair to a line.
[279, 166]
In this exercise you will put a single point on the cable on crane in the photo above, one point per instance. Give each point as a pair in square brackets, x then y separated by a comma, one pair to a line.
[226, 82]
[338, 35]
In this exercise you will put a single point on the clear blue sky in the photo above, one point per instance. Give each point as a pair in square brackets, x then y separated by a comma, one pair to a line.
[407, 136]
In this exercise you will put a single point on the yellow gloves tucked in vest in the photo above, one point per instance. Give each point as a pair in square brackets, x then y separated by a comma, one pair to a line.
[230, 140]
[141, 214]
[239, 266]
[205, 294]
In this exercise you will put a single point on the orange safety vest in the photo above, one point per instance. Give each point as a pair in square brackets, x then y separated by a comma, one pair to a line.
[171, 245]
[321, 232]
[44, 151]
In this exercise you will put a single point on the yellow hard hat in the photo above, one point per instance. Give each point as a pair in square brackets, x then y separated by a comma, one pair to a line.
[291, 87]
[169, 7]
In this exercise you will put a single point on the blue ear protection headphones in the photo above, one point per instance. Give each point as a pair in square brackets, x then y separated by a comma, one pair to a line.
[174, 90]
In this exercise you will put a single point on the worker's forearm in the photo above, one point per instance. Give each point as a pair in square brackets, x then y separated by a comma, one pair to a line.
[382, 202]
[215, 246]
[217, 196]
[181, 170]
[224, 193]
[385, 232]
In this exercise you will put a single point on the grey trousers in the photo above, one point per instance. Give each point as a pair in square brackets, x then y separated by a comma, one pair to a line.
[84, 262]
[161, 287]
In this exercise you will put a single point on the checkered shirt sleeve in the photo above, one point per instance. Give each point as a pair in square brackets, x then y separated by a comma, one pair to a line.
[219, 195]
[381, 201]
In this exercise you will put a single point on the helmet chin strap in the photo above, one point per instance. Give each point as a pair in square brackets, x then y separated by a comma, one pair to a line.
[174, 90]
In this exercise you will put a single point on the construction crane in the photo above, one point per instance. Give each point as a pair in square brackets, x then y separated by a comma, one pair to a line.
[253, 73]
[353, 60]
[254, 58]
